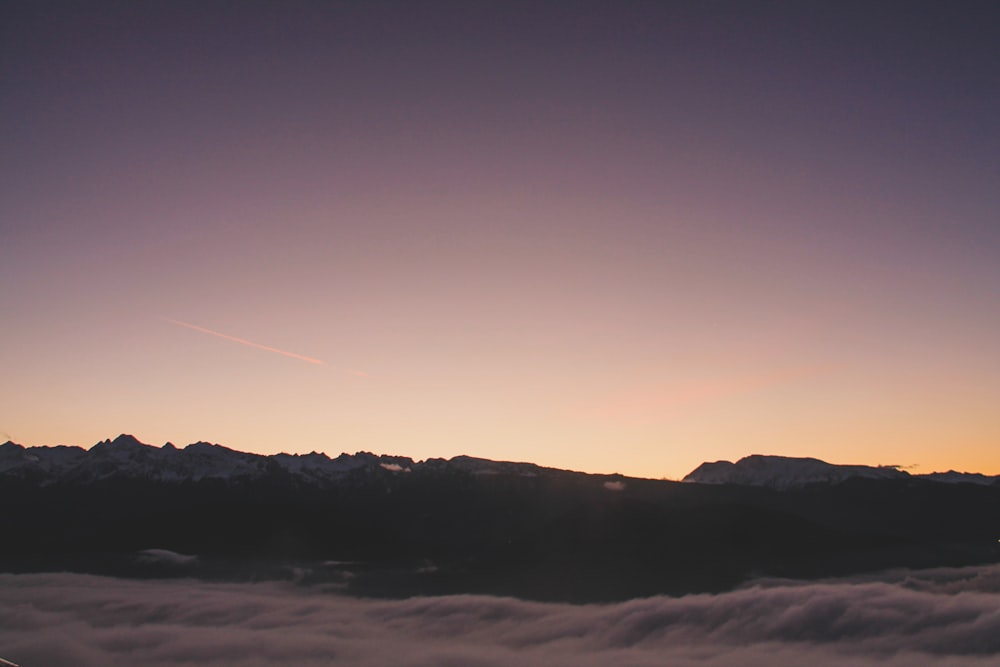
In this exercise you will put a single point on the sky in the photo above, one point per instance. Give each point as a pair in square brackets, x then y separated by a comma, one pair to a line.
[605, 236]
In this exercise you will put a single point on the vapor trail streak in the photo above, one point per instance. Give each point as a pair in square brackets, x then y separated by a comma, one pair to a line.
[243, 341]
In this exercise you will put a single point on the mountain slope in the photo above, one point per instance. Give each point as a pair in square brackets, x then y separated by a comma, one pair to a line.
[783, 472]
[378, 525]
[127, 457]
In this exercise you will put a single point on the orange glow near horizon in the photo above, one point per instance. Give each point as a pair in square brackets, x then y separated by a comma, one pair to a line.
[620, 237]
[671, 401]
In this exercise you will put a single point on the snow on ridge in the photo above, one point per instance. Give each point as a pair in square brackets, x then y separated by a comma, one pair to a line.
[479, 466]
[953, 477]
[127, 457]
[58, 458]
[785, 472]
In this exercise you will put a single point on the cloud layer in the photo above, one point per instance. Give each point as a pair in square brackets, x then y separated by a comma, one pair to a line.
[944, 617]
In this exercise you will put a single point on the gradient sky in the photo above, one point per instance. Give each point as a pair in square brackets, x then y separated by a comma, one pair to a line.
[613, 237]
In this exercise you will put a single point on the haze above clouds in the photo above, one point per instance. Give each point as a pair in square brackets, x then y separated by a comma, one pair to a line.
[921, 618]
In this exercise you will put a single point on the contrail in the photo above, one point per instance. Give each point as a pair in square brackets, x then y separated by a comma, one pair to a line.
[243, 341]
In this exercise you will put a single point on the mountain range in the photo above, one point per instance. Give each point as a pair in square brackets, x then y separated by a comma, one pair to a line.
[392, 526]
[127, 457]
[783, 472]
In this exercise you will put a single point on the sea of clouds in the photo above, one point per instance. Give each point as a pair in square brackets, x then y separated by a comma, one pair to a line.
[941, 617]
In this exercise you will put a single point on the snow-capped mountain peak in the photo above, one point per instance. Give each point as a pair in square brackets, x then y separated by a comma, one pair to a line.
[784, 472]
[953, 477]
[126, 457]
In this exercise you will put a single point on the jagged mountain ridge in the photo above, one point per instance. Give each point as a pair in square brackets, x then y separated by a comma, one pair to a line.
[389, 525]
[126, 456]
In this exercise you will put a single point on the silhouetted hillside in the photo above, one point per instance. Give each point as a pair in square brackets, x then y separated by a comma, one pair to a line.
[393, 527]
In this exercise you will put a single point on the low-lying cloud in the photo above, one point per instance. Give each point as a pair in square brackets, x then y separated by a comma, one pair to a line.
[944, 617]
[166, 557]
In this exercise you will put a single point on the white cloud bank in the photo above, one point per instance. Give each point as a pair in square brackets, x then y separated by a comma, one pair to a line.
[945, 618]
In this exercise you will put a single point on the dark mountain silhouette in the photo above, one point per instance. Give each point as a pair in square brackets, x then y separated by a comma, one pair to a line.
[387, 525]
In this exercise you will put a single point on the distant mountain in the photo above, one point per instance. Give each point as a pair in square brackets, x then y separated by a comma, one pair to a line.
[952, 477]
[389, 525]
[125, 457]
[783, 472]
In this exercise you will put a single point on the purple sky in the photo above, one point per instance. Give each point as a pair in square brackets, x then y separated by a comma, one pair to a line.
[620, 236]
